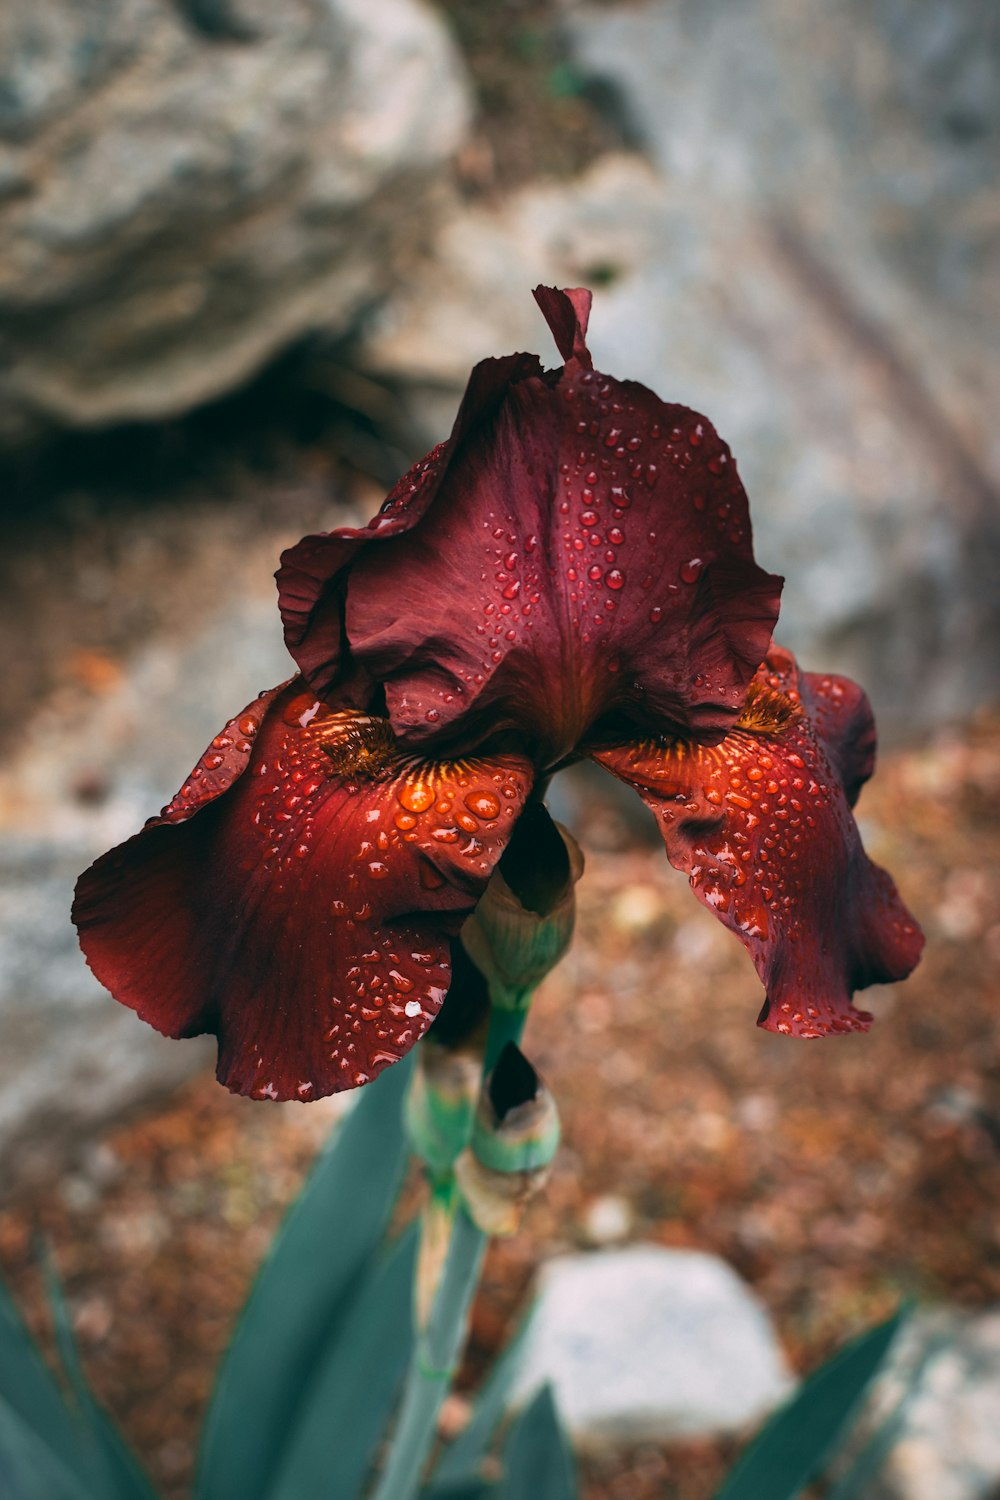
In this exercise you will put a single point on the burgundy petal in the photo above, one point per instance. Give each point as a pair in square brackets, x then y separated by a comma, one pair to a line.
[588, 551]
[762, 826]
[312, 578]
[567, 314]
[298, 895]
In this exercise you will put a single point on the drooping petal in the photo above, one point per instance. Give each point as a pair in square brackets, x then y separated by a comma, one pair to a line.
[762, 825]
[587, 551]
[298, 895]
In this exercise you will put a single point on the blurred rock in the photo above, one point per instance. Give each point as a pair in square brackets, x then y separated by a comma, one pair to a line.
[646, 1344]
[72, 1058]
[946, 1371]
[807, 258]
[608, 1219]
[185, 188]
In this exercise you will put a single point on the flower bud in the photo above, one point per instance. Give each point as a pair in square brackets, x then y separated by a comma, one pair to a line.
[440, 1104]
[523, 923]
[515, 1135]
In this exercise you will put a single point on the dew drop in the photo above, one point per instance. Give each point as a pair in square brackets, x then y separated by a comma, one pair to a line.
[690, 571]
[417, 796]
[615, 578]
[483, 804]
[302, 710]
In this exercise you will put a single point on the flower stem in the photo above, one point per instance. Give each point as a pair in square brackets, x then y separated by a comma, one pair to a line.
[506, 1025]
[434, 1361]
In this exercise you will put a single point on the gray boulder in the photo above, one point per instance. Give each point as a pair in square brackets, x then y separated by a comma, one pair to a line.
[185, 188]
[72, 1058]
[644, 1344]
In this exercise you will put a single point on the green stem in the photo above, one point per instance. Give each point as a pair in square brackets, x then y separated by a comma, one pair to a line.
[506, 1025]
[432, 1367]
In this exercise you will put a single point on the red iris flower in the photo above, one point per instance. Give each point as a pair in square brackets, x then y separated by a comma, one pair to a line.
[570, 574]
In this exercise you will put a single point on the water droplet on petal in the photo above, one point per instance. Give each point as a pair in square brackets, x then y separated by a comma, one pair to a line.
[483, 804]
[417, 796]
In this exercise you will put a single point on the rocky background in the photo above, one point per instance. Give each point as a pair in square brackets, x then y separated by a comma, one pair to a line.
[248, 252]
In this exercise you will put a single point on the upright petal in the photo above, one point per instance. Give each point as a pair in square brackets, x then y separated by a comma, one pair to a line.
[587, 551]
[312, 578]
[762, 825]
[298, 895]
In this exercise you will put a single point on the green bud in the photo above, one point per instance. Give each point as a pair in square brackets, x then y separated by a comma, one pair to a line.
[441, 1103]
[523, 923]
[515, 1135]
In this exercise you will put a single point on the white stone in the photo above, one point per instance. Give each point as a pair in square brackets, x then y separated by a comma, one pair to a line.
[647, 1343]
[607, 1219]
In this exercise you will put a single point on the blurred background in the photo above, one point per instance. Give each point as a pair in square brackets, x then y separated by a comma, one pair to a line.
[249, 250]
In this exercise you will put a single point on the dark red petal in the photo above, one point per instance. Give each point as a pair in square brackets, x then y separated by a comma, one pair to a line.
[567, 314]
[588, 551]
[303, 917]
[312, 578]
[761, 824]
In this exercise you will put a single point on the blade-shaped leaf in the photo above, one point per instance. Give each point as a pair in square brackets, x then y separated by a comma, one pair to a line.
[33, 1398]
[30, 1469]
[801, 1438]
[328, 1237]
[123, 1478]
[462, 1489]
[461, 1459]
[354, 1388]
[537, 1459]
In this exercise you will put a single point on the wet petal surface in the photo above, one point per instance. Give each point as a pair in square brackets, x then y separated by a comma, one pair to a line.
[312, 578]
[582, 548]
[297, 896]
[761, 824]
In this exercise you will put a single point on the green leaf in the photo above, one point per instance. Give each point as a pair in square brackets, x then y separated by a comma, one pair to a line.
[801, 1438]
[463, 1489]
[354, 1387]
[30, 1467]
[462, 1458]
[538, 1462]
[33, 1398]
[123, 1478]
[329, 1236]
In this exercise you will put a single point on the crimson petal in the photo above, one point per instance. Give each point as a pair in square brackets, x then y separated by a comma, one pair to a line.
[588, 552]
[298, 895]
[577, 547]
[761, 823]
[312, 578]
